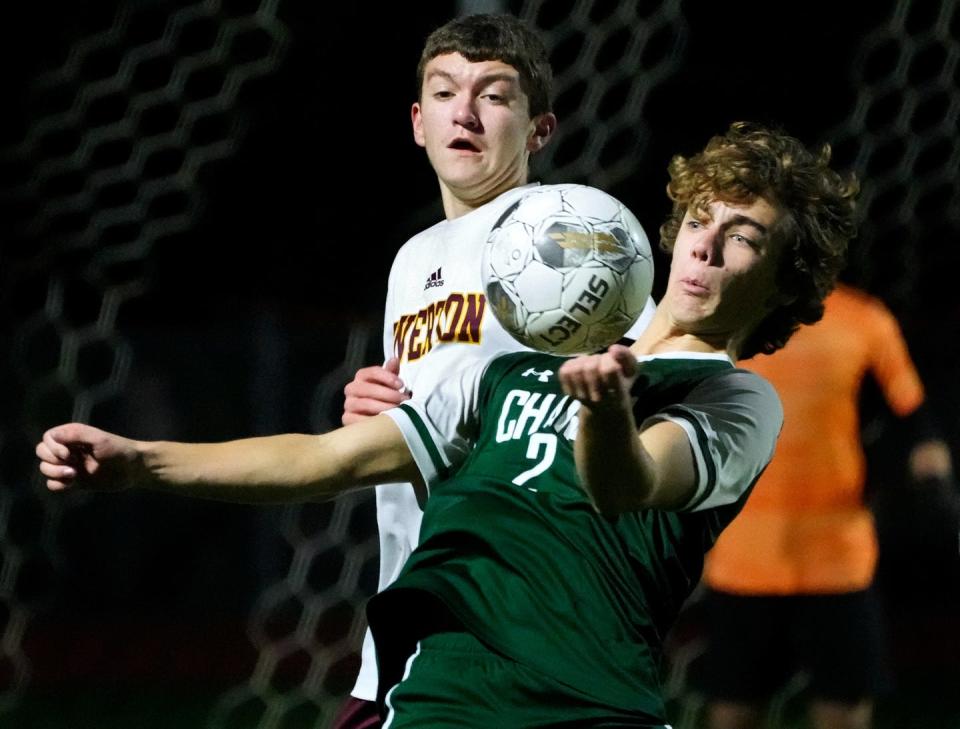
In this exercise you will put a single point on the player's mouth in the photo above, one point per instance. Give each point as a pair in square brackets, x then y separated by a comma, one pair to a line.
[463, 145]
[694, 286]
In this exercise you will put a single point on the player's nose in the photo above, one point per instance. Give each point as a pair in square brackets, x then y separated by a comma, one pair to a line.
[707, 246]
[465, 115]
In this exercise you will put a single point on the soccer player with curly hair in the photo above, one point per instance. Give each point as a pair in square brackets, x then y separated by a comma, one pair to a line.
[568, 502]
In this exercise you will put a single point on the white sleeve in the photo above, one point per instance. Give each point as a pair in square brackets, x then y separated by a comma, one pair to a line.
[440, 427]
[732, 422]
[643, 321]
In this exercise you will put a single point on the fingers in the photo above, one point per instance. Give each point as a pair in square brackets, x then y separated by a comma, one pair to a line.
[359, 408]
[392, 365]
[84, 457]
[625, 360]
[54, 439]
[53, 456]
[373, 390]
[582, 378]
[58, 477]
[600, 379]
[368, 391]
[386, 375]
[45, 455]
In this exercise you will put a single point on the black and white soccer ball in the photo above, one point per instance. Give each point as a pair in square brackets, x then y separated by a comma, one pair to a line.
[567, 269]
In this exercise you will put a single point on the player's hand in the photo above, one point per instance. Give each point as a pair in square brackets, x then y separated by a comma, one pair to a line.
[601, 381]
[81, 456]
[373, 390]
[930, 459]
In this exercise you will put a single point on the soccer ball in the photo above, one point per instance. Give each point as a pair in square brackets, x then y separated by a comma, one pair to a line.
[567, 269]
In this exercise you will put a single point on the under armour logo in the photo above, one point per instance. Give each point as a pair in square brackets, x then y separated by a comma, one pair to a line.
[542, 376]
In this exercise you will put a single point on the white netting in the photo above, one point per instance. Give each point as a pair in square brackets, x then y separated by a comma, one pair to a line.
[901, 137]
[307, 628]
[608, 57]
[107, 169]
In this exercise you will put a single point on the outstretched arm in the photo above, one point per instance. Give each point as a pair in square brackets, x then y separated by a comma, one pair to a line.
[281, 468]
[620, 468]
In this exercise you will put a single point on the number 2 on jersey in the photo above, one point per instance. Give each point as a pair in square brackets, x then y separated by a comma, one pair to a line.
[542, 446]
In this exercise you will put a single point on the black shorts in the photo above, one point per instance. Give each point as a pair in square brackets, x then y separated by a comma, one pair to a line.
[756, 643]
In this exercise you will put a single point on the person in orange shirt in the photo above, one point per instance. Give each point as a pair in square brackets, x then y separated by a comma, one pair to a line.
[788, 581]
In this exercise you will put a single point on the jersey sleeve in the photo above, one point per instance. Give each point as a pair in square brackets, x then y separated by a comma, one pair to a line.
[732, 422]
[441, 427]
[643, 321]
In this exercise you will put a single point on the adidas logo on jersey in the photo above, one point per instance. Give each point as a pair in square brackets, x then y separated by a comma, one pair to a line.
[434, 279]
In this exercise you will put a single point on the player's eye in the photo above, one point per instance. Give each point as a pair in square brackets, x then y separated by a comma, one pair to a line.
[743, 239]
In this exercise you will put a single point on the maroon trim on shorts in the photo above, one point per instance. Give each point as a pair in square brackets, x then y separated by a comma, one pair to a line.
[357, 714]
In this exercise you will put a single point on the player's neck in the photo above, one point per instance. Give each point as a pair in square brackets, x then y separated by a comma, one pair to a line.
[663, 335]
[459, 202]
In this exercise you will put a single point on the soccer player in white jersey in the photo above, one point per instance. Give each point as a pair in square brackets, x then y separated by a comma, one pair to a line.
[484, 108]
[568, 502]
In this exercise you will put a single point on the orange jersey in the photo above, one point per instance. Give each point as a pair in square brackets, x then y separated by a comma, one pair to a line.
[805, 528]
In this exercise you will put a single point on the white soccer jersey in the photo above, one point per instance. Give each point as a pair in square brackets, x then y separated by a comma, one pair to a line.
[436, 322]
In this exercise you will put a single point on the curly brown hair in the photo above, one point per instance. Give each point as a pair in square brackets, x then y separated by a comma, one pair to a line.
[752, 161]
[496, 38]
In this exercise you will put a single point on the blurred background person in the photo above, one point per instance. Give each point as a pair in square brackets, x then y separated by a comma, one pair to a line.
[790, 581]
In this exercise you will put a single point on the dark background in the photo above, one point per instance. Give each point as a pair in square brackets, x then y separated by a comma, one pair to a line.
[211, 293]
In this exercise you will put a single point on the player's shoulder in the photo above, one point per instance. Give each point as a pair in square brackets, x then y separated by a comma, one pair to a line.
[516, 364]
[574, 194]
[566, 187]
[711, 379]
[740, 379]
[690, 366]
[861, 314]
[750, 391]
[422, 238]
[746, 380]
[855, 302]
[414, 253]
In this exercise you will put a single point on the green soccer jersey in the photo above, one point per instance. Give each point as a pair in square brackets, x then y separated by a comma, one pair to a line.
[511, 546]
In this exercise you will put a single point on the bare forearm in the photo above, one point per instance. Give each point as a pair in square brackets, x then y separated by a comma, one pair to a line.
[281, 468]
[612, 464]
[623, 471]
[272, 469]
[255, 470]
[616, 470]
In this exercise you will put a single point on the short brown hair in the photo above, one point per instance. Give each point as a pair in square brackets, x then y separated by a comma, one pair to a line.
[818, 206]
[496, 38]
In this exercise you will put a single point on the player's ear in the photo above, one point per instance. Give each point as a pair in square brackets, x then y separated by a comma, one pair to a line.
[543, 128]
[416, 118]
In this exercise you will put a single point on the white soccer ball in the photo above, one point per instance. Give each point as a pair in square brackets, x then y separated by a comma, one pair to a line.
[567, 269]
